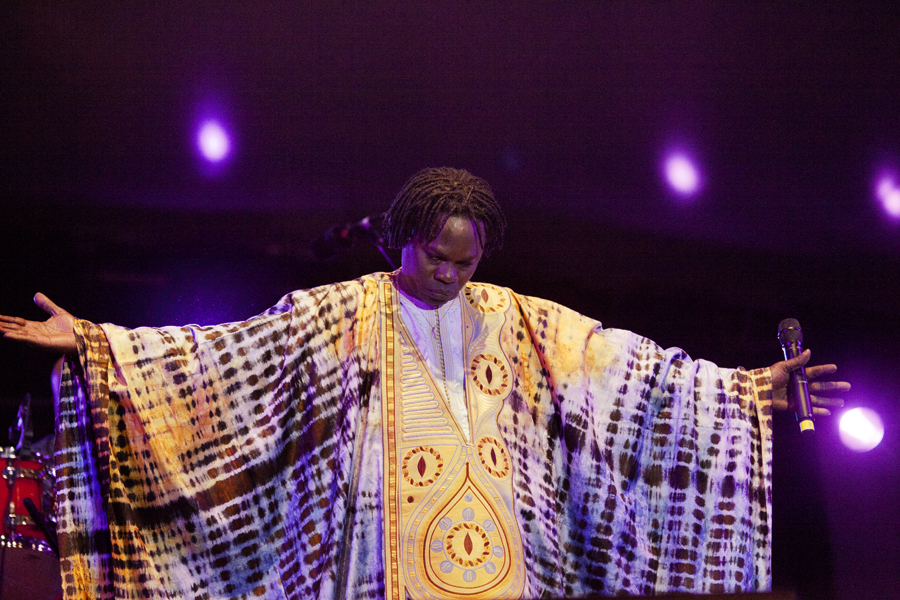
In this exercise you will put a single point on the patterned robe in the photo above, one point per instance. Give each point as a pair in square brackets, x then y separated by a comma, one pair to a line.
[246, 460]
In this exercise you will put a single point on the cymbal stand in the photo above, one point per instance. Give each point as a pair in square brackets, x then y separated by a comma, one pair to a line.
[11, 474]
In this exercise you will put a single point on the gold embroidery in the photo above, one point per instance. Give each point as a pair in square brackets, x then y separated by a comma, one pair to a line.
[422, 466]
[489, 374]
[469, 546]
[487, 298]
[449, 515]
[493, 456]
[388, 359]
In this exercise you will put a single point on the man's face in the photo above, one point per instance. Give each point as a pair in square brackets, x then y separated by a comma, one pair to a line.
[434, 272]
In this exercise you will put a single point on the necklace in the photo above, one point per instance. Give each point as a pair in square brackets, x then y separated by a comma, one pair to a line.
[436, 334]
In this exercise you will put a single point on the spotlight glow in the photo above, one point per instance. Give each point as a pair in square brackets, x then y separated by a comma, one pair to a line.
[861, 429]
[889, 195]
[682, 175]
[213, 141]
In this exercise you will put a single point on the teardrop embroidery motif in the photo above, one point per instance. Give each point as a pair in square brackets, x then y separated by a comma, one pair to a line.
[468, 545]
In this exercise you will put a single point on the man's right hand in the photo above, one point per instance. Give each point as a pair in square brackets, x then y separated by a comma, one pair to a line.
[56, 333]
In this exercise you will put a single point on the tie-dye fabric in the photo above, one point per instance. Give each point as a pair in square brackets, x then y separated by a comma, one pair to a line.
[245, 460]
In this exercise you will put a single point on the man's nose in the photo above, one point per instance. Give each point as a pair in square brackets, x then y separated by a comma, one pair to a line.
[446, 273]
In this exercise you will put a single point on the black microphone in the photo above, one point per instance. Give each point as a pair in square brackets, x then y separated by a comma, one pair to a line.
[341, 238]
[791, 337]
[22, 427]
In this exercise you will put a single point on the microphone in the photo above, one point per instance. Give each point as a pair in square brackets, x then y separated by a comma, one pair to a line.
[22, 427]
[341, 238]
[791, 337]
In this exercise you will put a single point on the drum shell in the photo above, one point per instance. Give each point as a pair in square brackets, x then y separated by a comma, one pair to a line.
[33, 477]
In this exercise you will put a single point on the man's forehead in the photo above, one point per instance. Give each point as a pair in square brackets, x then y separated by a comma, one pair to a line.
[453, 221]
[445, 235]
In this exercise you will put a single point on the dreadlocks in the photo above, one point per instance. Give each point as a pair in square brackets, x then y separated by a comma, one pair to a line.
[431, 195]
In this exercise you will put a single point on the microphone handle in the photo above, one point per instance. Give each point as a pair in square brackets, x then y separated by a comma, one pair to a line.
[798, 391]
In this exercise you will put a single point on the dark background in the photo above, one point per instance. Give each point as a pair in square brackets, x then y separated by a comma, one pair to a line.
[567, 109]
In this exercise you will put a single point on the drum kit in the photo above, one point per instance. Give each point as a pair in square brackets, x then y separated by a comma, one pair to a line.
[29, 553]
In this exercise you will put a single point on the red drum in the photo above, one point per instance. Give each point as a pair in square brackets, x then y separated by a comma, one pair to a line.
[29, 566]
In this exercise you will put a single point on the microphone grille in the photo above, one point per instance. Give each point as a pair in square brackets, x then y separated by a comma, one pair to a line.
[789, 331]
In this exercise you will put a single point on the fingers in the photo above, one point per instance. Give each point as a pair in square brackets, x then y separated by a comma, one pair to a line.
[798, 361]
[47, 305]
[820, 405]
[820, 371]
[824, 401]
[17, 336]
[829, 386]
[8, 323]
[816, 401]
[10, 326]
[792, 364]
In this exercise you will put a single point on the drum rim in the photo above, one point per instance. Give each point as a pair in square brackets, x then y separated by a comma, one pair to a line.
[24, 542]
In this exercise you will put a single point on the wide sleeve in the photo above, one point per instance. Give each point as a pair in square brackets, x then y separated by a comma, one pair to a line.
[188, 457]
[655, 468]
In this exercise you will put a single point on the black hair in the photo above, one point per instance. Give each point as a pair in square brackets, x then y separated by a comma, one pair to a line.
[431, 196]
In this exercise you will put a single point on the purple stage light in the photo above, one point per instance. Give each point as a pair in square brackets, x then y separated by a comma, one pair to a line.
[861, 429]
[682, 175]
[889, 195]
[213, 141]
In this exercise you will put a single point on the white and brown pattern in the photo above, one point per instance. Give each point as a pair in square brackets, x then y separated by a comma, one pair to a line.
[245, 460]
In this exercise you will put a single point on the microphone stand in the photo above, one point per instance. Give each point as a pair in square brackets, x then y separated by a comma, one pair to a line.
[341, 238]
